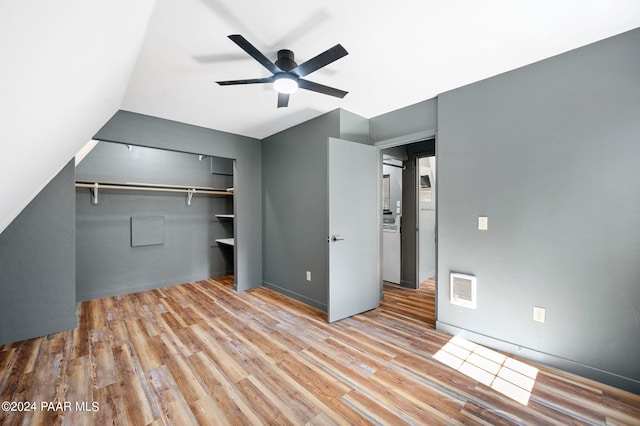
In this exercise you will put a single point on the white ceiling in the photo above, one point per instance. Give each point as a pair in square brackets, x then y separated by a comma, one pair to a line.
[400, 52]
[68, 66]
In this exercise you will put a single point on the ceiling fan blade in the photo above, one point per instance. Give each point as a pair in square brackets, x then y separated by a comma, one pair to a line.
[321, 88]
[255, 53]
[283, 100]
[248, 81]
[323, 59]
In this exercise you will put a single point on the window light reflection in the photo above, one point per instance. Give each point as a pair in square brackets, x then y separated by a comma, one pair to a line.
[510, 377]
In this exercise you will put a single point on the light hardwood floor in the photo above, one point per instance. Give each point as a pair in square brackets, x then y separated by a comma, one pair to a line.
[201, 354]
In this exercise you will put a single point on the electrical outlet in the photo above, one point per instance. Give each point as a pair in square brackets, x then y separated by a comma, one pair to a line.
[483, 223]
[308, 275]
[538, 314]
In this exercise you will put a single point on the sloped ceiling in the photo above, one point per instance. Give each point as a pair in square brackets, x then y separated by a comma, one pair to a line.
[68, 66]
[400, 52]
[64, 68]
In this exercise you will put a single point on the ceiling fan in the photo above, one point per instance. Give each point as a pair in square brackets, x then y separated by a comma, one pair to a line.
[287, 74]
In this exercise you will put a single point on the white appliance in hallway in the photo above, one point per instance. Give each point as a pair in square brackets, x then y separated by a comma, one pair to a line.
[426, 218]
[391, 251]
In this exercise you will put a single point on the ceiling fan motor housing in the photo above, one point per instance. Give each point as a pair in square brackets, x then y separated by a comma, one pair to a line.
[287, 75]
[286, 60]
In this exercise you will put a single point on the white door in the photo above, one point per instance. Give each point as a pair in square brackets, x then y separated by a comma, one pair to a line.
[354, 229]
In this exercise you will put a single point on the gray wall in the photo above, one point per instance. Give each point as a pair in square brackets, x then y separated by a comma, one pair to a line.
[409, 124]
[138, 129]
[549, 153]
[295, 219]
[108, 263]
[111, 162]
[353, 127]
[37, 264]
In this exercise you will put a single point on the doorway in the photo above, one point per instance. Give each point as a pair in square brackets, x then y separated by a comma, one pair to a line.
[413, 211]
[392, 169]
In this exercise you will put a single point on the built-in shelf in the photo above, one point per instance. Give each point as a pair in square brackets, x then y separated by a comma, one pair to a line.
[226, 241]
[226, 216]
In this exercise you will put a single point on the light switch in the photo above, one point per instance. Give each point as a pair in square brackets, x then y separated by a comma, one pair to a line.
[483, 223]
[308, 275]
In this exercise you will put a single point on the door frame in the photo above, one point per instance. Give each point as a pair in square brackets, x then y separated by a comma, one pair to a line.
[403, 141]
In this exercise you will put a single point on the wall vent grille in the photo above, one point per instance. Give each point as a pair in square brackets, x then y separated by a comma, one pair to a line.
[462, 290]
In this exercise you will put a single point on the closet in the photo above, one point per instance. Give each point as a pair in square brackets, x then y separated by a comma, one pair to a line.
[149, 218]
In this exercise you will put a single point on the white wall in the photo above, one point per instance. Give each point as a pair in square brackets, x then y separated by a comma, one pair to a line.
[427, 220]
[65, 68]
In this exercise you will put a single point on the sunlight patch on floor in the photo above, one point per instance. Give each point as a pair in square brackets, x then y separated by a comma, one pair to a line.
[506, 375]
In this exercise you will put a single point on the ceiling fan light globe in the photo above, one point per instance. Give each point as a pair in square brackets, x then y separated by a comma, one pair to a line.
[285, 84]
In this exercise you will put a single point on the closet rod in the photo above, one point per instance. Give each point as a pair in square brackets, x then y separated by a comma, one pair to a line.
[145, 187]
[393, 165]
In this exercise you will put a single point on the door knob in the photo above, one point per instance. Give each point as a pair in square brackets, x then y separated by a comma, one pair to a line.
[335, 238]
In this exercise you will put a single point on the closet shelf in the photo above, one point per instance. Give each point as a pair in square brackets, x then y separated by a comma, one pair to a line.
[226, 241]
[94, 187]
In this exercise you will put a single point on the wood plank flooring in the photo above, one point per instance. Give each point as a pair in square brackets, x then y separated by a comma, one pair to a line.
[199, 353]
[418, 304]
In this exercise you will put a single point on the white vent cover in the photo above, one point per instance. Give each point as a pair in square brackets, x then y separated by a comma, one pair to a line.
[462, 290]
